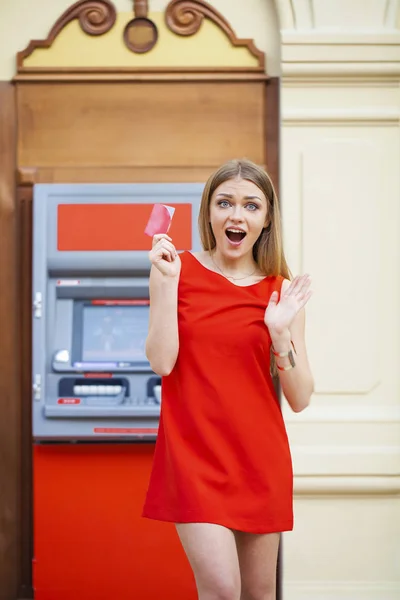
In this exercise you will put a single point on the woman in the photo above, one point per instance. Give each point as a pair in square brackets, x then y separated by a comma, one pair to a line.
[222, 467]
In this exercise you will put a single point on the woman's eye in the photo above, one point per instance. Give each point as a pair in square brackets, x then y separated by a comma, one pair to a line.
[252, 206]
[224, 203]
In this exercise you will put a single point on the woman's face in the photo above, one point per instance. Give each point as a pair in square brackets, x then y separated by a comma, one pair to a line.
[238, 214]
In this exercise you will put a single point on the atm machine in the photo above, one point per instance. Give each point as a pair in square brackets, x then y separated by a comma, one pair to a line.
[96, 401]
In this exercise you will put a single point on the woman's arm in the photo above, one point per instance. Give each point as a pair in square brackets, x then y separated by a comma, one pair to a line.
[162, 344]
[297, 382]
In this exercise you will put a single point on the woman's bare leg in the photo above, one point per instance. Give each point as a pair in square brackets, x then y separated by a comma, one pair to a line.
[258, 555]
[212, 554]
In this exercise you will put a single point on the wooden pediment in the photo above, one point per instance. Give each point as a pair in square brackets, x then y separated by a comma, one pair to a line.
[90, 40]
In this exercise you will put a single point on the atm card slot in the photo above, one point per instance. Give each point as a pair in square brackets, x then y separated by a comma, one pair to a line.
[82, 412]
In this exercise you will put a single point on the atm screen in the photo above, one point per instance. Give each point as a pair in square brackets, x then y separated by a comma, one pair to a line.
[113, 333]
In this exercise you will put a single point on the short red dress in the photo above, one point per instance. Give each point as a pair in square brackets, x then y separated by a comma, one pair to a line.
[222, 454]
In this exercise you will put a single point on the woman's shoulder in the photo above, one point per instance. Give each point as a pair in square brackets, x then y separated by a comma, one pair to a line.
[198, 254]
[277, 283]
[284, 283]
[194, 257]
[186, 258]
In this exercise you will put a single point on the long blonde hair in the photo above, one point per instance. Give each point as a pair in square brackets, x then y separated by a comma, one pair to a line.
[268, 249]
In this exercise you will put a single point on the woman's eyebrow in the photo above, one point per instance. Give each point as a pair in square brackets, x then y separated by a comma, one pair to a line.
[252, 198]
[245, 197]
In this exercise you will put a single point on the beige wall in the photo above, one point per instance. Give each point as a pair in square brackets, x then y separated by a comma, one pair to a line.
[341, 209]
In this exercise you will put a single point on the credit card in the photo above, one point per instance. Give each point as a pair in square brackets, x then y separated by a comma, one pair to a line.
[160, 219]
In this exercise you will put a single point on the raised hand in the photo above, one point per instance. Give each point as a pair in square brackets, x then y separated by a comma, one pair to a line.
[164, 256]
[279, 315]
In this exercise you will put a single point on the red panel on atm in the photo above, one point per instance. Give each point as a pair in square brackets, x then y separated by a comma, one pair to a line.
[116, 227]
[91, 542]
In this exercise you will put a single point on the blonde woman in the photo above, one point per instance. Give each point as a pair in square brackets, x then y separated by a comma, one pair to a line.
[222, 467]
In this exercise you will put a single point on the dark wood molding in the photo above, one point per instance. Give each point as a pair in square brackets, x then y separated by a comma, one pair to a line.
[24, 205]
[26, 176]
[10, 434]
[184, 17]
[66, 75]
[272, 130]
[272, 156]
[95, 17]
[149, 70]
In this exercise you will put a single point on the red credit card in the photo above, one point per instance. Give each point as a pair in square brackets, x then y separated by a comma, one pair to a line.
[160, 219]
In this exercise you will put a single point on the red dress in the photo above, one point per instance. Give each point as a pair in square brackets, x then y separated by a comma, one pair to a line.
[222, 454]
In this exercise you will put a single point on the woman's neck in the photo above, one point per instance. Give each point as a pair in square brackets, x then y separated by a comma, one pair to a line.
[242, 265]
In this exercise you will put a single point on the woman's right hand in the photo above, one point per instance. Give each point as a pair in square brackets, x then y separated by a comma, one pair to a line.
[164, 256]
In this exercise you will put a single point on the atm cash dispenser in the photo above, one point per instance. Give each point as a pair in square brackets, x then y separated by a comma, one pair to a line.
[96, 401]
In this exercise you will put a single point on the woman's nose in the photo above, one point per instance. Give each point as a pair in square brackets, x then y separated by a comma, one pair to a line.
[237, 213]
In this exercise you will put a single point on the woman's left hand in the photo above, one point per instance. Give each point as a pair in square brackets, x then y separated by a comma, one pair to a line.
[279, 315]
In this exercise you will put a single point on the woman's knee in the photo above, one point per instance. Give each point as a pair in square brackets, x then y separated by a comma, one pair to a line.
[266, 591]
[216, 571]
[222, 589]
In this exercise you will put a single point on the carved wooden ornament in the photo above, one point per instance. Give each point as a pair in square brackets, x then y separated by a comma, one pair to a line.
[140, 34]
[184, 17]
[96, 17]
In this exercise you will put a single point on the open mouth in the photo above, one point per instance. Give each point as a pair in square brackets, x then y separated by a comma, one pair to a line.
[235, 235]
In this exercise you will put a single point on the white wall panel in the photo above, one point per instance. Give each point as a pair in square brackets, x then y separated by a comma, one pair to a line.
[341, 549]
[340, 195]
[342, 250]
